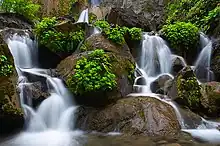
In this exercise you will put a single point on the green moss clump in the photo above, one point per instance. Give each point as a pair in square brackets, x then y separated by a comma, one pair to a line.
[56, 41]
[189, 90]
[92, 74]
[5, 66]
[117, 33]
[181, 36]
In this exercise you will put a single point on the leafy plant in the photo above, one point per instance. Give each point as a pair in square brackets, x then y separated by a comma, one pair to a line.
[181, 35]
[57, 41]
[5, 66]
[117, 33]
[92, 74]
[23, 7]
[135, 33]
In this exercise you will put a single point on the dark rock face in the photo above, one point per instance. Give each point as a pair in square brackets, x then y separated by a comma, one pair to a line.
[210, 99]
[158, 85]
[13, 20]
[215, 61]
[132, 116]
[11, 117]
[153, 11]
[127, 17]
[122, 66]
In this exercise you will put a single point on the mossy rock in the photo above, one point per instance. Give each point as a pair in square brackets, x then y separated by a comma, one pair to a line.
[123, 68]
[131, 116]
[101, 42]
[211, 98]
[185, 90]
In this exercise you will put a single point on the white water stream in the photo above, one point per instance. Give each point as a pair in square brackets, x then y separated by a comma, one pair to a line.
[53, 121]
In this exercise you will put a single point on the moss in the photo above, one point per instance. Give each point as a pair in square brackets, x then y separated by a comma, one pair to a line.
[188, 90]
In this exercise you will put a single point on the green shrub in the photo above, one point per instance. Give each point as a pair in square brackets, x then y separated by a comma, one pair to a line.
[92, 74]
[23, 7]
[117, 33]
[135, 33]
[57, 41]
[5, 66]
[181, 35]
[194, 11]
[212, 17]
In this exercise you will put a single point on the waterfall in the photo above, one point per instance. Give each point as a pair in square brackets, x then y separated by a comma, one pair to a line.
[155, 60]
[202, 65]
[84, 16]
[95, 2]
[54, 117]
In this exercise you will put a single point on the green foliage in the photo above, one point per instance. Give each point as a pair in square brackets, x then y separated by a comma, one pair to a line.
[23, 7]
[135, 33]
[5, 67]
[189, 90]
[181, 35]
[92, 74]
[210, 18]
[57, 41]
[197, 12]
[117, 33]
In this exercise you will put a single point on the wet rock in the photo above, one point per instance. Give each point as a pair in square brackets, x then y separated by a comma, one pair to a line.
[159, 84]
[13, 20]
[215, 60]
[210, 99]
[36, 91]
[204, 74]
[127, 17]
[10, 112]
[131, 116]
[99, 41]
[152, 11]
[178, 63]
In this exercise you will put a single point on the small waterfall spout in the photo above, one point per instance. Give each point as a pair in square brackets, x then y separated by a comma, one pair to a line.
[84, 17]
[202, 65]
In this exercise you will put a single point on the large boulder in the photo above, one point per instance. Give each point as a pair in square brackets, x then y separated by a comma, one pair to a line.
[131, 116]
[122, 64]
[153, 11]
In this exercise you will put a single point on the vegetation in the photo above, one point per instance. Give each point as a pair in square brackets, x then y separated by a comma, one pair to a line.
[57, 41]
[5, 66]
[23, 7]
[181, 35]
[117, 33]
[92, 74]
[194, 11]
[189, 90]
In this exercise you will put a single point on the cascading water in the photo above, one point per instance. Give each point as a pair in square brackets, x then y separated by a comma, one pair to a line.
[202, 65]
[95, 2]
[155, 60]
[52, 122]
[84, 17]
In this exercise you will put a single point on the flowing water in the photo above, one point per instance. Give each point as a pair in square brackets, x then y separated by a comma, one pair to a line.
[53, 121]
[202, 65]
[95, 2]
[155, 61]
[84, 16]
